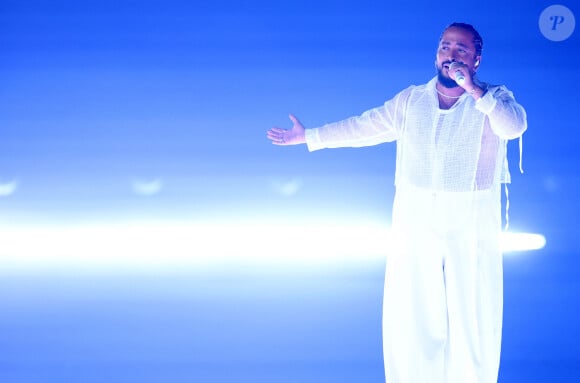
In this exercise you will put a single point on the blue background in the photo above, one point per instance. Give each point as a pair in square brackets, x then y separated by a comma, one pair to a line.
[97, 94]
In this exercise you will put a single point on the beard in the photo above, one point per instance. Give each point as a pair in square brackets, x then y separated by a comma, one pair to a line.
[446, 81]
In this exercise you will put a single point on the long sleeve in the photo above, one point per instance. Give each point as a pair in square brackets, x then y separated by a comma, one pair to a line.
[507, 118]
[373, 127]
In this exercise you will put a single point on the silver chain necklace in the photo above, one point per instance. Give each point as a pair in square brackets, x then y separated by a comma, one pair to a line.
[444, 95]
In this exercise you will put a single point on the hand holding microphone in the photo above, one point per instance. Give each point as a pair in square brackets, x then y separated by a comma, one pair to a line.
[463, 78]
[459, 76]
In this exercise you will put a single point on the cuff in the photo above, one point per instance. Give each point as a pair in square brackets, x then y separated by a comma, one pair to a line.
[312, 140]
[486, 103]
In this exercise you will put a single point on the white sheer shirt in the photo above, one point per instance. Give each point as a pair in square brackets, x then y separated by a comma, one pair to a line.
[463, 148]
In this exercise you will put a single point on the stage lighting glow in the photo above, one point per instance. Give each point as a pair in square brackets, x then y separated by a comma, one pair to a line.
[157, 244]
[286, 188]
[511, 242]
[148, 245]
[8, 188]
[147, 188]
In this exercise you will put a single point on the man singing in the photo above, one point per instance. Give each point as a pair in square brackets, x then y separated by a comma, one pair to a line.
[442, 310]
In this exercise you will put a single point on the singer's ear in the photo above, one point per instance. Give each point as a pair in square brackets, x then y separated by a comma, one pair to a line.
[476, 62]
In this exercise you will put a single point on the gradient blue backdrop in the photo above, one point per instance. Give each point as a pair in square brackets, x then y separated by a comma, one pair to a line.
[98, 95]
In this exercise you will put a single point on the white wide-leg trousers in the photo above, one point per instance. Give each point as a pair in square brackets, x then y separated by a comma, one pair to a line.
[442, 311]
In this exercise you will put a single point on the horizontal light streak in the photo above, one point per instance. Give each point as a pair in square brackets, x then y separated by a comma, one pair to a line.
[511, 242]
[196, 243]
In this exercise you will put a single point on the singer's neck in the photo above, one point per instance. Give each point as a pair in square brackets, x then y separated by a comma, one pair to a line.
[454, 92]
[448, 96]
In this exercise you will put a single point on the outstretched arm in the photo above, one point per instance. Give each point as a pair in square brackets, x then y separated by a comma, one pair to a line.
[293, 136]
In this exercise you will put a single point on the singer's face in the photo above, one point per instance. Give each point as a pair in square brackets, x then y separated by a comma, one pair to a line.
[456, 44]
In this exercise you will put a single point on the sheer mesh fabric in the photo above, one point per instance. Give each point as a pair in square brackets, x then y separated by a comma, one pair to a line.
[456, 150]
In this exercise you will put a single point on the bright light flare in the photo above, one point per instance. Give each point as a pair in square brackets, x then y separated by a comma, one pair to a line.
[147, 188]
[146, 245]
[166, 244]
[511, 242]
[8, 188]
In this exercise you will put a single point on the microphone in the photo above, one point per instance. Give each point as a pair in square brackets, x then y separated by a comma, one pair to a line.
[459, 77]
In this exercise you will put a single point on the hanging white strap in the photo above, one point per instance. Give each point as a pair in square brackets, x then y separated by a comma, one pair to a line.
[507, 207]
[521, 153]
[507, 194]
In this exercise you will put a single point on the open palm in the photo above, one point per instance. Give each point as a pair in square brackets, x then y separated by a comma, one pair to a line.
[293, 136]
